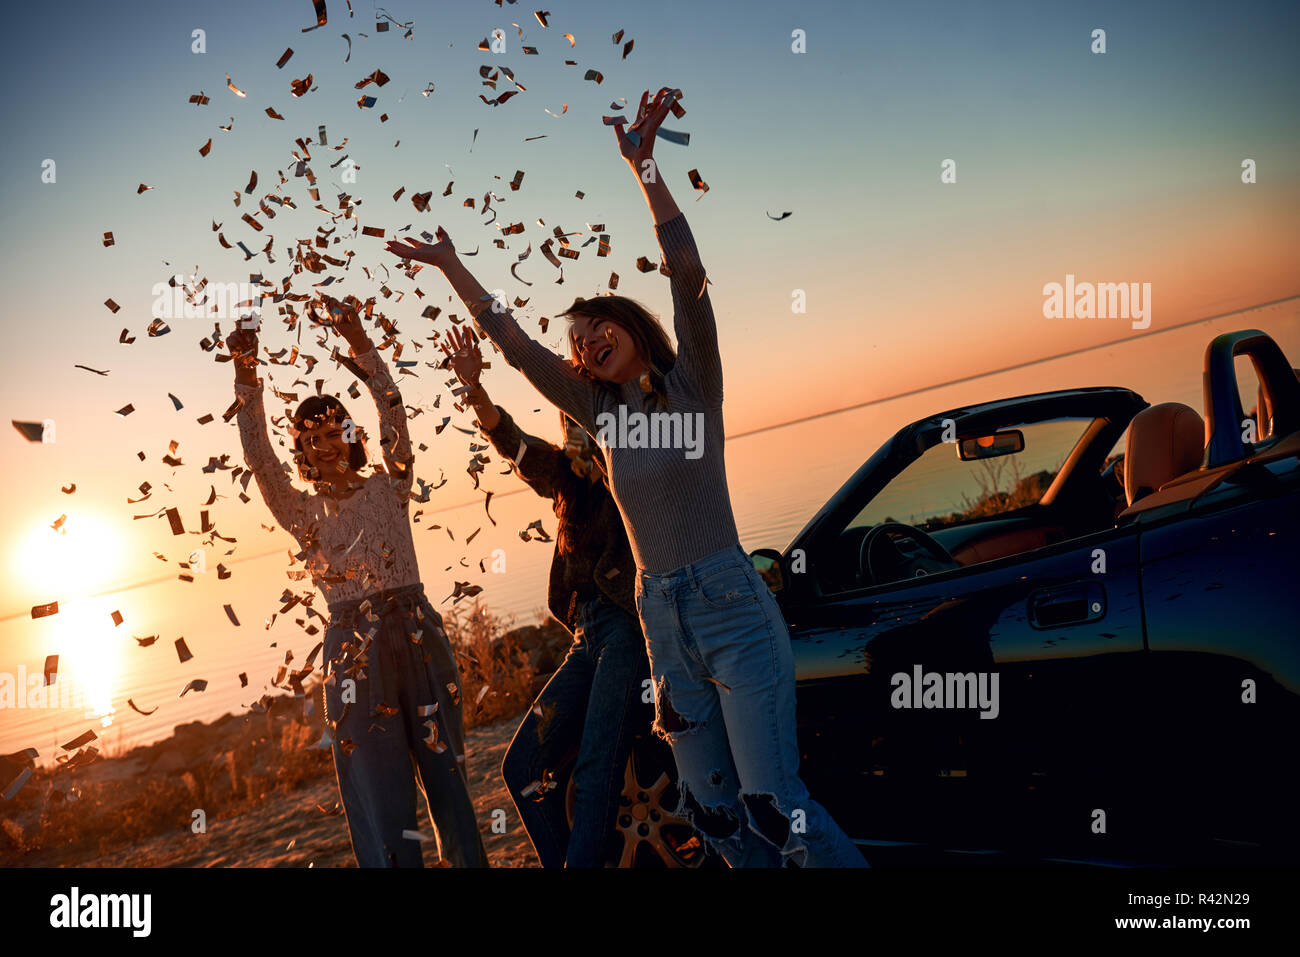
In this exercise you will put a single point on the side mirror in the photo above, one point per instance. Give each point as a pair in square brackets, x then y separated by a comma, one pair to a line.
[767, 562]
[991, 446]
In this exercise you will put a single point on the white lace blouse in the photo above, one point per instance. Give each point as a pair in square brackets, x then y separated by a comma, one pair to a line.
[354, 546]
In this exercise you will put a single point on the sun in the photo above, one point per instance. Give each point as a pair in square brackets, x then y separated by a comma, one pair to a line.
[83, 554]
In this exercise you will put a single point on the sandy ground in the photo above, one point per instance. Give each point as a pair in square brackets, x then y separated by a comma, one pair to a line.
[289, 828]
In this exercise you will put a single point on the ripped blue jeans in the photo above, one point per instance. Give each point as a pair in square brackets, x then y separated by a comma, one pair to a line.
[723, 674]
[393, 707]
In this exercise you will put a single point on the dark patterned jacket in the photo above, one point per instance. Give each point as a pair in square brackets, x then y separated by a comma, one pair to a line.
[600, 558]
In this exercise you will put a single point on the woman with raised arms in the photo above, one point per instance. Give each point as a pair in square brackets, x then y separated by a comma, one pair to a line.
[392, 693]
[719, 650]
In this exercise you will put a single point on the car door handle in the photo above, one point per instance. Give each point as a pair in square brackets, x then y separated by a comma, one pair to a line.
[1071, 604]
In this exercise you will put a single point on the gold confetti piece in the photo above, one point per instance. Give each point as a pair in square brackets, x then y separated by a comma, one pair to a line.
[410, 835]
[372, 231]
[270, 111]
[69, 489]
[627, 48]
[234, 89]
[595, 75]
[617, 36]
[174, 517]
[141, 188]
[697, 182]
[206, 147]
[157, 328]
[183, 650]
[89, 369]
[44, 611]
[321, 16]
[84, 738]
[366, 102]
[51, 670]
[146, 641]
[230, 613]
[299, 87]
[284, 58]
[781, 217]
[117, 618]
[108, 239]
[112, 306]
[136, 708]
[198, 99]
[195, 684]
[125, 410]
[541, 16]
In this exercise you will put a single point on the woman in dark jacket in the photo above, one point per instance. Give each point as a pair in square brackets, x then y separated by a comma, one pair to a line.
[598, 699]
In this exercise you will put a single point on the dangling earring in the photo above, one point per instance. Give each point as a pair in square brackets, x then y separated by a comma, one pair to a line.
[645, 382]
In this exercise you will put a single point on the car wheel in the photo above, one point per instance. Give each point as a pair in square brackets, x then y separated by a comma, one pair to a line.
[647, 834]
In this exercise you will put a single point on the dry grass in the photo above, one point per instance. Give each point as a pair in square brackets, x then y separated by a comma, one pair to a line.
[497, 676]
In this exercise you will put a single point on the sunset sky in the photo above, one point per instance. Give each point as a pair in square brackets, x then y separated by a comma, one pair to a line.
[1115, 167]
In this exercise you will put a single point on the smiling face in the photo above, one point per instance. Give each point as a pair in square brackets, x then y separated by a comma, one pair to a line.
[605, 349]
[325, 449]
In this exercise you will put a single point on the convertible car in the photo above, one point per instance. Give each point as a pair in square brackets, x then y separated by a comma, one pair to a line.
[1020, 641]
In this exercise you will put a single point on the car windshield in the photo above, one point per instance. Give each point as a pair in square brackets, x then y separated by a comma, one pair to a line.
[941, 489]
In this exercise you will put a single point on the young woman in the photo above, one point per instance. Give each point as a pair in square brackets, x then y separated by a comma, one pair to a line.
[393, 687]
[594, 699]
[719, 649]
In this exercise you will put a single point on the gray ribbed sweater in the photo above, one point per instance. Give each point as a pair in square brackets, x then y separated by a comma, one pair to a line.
[677, 509]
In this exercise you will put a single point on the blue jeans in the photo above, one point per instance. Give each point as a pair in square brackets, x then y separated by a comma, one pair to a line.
[724, 699]
[385, 665]
[592, 703]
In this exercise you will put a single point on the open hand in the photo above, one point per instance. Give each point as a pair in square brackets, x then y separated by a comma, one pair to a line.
[344, 316]
[466, 359]
[636, 144]
[436, 254]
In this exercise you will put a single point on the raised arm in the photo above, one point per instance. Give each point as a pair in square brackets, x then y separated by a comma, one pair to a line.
[285, 502]
[552, 376]
[394, 437]
[698, 360]
[541, 465]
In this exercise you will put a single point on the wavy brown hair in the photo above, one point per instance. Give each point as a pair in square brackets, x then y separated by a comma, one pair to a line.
[648, 335]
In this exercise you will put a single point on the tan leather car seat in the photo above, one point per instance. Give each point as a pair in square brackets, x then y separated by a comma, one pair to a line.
[1164, 442]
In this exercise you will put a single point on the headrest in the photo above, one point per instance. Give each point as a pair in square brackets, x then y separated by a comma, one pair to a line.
[1164, 441]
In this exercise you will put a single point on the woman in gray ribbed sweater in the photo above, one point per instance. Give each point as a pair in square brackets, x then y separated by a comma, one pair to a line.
[719, 649]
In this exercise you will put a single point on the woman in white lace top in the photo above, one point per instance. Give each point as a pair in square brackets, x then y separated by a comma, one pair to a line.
[393, 689]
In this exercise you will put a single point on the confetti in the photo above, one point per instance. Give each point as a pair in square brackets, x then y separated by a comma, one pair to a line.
[230, 613]
[781, 217]
[89, 369]
[112, 306]
[108, 239]
[125, 410]
[136, 708]
[117, 618]
[206, 147]
[321, 17]
[78, 741]
[174, 517]
[31, 431]
[51, 669]
[68, 490]
[698, 183]
[234, 89]
[284, 58]
[194, 684]
[541, 16]
[183, 651]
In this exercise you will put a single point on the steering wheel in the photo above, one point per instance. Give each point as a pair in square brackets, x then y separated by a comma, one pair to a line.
[892, 551]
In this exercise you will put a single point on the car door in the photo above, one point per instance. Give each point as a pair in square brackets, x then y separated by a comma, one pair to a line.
[1060, 627]
[1219, 586]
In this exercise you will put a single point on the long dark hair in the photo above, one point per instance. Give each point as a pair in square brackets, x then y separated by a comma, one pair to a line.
[576, 506]
[648, 335]
[314, 412]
